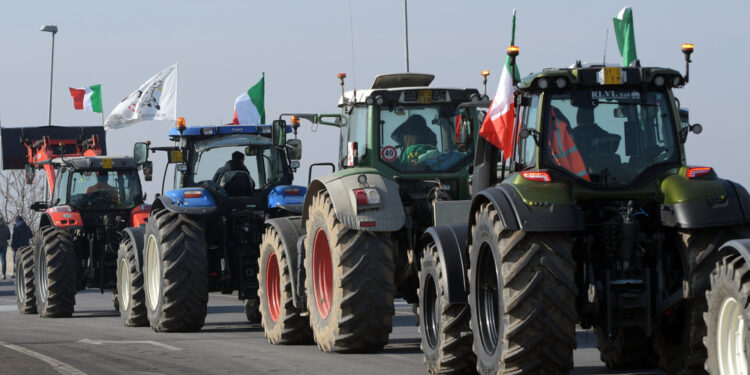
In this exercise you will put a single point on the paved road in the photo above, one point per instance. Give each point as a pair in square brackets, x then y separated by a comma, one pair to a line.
[94, 341]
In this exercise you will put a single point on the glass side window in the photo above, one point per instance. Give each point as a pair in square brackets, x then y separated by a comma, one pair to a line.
[608, 137]
[526, 150]
[105, 189]
[212, 160]
[420, 138]
[355, 131]
[61, 189]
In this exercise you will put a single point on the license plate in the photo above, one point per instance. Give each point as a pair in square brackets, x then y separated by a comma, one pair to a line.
[425, 96]
[107, 163]
[612, 76]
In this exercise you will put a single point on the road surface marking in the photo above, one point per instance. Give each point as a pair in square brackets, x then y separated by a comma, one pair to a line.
[99, 342]
[61, 367]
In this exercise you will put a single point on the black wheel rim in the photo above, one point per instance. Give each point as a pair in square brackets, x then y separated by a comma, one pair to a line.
[488, 300]
[42, 277]
[430, 315]
[20, 282]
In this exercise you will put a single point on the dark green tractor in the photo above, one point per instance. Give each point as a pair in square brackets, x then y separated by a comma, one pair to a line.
[355, 248]
[599, 222]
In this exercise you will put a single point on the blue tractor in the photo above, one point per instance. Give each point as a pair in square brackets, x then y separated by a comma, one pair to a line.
[203, 235]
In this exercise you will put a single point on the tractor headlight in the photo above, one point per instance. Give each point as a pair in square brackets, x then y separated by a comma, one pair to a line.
[659, 80]
[542, 83]
[561, 83]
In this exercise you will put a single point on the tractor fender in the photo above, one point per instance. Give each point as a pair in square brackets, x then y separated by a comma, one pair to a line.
[389, 217]
[451, 243]
[289, 231]
[164, 201]
[136, 235]
[515, 214]
[741, 246]
[710, 211]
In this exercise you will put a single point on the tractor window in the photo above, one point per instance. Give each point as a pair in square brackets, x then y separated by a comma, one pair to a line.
[110, 189]
[526, 149]
[355, 131]
[420, 138]
[212, 159]
[608, 137]
[60, 195]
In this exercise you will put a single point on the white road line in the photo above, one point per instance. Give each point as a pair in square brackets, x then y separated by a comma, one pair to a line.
[60, 367]
[149, 342]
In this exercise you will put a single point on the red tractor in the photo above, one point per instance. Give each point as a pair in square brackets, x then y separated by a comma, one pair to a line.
[93, 198]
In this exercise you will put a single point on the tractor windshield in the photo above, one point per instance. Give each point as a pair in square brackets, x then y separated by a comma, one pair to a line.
[418, 138]
[113, 189]
[609, 137]
[253, 154]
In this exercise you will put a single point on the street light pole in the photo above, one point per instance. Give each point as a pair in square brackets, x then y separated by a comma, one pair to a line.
[50, 29]
[406, 36]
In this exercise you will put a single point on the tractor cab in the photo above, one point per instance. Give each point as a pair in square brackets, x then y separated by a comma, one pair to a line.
[600, 126]
[403, 127]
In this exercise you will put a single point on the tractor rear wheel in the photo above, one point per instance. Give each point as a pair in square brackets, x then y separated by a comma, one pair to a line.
[350, 282]
[629, 349]
[24, 272]
[175, 272]
[446, 335]
[728, 317]
[130, 294]
[56, 266]
[281, 321]
[678, 338]
[522, 297]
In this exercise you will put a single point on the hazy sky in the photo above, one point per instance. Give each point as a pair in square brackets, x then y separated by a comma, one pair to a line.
[222, 48]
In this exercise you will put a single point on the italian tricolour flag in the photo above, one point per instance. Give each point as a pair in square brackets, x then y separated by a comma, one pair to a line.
[497, 127]
[87, 98]
[249, 108]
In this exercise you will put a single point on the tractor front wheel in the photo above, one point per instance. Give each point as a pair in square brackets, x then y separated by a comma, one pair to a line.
[56, 266]
[350, 282]
[282, 322]
[24, 272]
[132, 300]
[446, 335]
[175, 272]
[522, 296]
[728, 317]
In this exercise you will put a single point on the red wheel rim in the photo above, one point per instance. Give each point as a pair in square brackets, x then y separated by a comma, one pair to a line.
[273, 287]
[322, 273]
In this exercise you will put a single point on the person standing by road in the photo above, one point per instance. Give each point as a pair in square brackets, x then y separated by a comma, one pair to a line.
[4, 238]
[21, 235]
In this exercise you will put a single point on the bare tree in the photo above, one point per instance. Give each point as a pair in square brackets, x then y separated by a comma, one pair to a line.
[16, 196]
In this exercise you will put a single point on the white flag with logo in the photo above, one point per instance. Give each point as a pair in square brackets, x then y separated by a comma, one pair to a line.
[156, 99]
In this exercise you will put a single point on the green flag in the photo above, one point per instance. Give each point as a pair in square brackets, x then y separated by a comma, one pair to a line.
[257, 94]
[625, 35]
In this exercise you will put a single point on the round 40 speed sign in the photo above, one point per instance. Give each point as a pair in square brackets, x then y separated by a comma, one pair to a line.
[389, 153]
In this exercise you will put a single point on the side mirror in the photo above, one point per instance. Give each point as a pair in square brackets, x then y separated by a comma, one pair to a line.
[39, 206]
[29, 172]
[278, 133]
[140, 152]
[294, 164]
[463, 135]
[294, 149]
[148, 170]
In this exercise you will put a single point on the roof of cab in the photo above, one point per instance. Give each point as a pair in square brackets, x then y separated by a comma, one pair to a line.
[195, 131]
[97, 162]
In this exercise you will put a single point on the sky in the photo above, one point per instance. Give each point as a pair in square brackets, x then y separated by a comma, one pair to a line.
[223, 47]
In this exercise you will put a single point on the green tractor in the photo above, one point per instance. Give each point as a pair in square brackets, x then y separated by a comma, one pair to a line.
[601, 223]
[332, 274]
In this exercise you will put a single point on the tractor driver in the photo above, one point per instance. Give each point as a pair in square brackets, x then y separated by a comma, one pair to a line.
[415, 138]
[597, 146]
[229, 178]
[102, 186]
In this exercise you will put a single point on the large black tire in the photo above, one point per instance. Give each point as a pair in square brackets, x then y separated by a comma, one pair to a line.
[678, 338]
[352, 307]
[175, 272]
[24, 272]
[56, 274]
[130, 294]
[446, 335]
[281, 321]
[522, 296]
[629, 349]
[728, 301]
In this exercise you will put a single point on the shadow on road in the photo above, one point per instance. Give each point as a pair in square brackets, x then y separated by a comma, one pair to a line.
[596, 370]
[231, 327]
[402, 346]
[225, 309]
[404, 321]
[95, 314]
